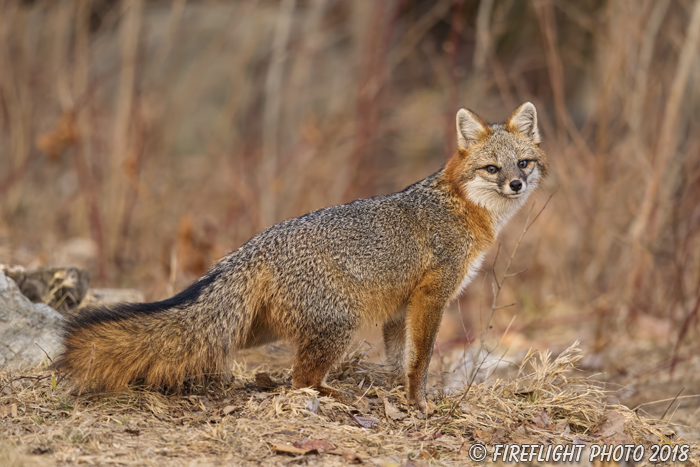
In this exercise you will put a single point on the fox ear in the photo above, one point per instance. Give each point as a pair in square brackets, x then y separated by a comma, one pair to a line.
[523, 120]
[470, 128]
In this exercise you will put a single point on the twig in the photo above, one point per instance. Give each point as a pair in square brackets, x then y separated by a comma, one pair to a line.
[35, 378]
[497, 291]
[683, 331]
[483, 46]
[466, 391]
[495, 258]
[636, 408]
[452, 43]
[668, 139]
[544, 9]
[516, 273]
[669, 405]
[539, 213]
[499, 284]
[643, 229]
[45, 353]
[274, 84]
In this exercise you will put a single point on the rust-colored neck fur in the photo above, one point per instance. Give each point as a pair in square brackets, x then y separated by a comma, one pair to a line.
[479, 220]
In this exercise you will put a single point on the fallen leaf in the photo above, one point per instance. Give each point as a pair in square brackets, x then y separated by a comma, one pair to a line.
[228, 409]
[428, 452]
[133, 431]
[483, 435]
[312, 405]
[521, 435]
[366, 422]
[13, 410]
[498, 435]
[468, 407]
[426, 436]
[41, 449]
[651, 438]
[263, 381]
[562, 427]
[311, 444]
[351, 457]
[385, 463]
[293, 450]
[542, 420]
[392, 411]
[612, 429]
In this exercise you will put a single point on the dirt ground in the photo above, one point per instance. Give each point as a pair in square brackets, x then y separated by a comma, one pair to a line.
[255, 418]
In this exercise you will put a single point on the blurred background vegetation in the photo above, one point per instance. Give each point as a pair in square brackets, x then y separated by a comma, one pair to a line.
[144, 139]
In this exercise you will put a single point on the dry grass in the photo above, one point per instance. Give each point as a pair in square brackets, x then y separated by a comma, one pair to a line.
[239, 422]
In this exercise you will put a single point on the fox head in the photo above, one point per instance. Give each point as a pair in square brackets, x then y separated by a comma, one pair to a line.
[498, 165]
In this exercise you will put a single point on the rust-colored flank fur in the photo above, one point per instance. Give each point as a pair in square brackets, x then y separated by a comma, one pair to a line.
[315, 280]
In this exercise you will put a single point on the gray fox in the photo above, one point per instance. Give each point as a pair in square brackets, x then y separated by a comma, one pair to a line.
[315, 280]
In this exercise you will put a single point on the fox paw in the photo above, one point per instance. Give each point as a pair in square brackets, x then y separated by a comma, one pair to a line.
[423, 406]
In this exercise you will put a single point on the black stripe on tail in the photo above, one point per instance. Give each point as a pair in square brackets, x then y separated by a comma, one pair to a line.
[121, 311]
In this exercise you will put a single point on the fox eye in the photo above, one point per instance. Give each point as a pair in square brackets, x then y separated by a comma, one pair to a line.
[492, 169]
[524, 163]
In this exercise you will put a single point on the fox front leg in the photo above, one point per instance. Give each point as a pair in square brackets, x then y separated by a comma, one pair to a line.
[423, 316]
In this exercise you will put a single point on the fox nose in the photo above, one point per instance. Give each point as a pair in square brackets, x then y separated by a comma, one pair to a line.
[516, 185]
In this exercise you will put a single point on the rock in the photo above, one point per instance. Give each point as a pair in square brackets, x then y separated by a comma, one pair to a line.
[26, 326]
[62, 288]
[105, 296]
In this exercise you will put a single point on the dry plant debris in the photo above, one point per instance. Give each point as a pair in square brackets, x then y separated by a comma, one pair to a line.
[237, 421]
[62, 288]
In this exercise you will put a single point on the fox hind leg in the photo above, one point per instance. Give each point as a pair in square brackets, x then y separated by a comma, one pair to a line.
[314, 358]
[394, 331]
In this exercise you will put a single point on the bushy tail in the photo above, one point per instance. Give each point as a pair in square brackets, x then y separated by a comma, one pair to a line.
[159, 345]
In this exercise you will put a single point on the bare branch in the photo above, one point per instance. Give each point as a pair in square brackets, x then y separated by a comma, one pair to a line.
[504, 306]
[541, 210]
[516, 273]
[498, 284]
